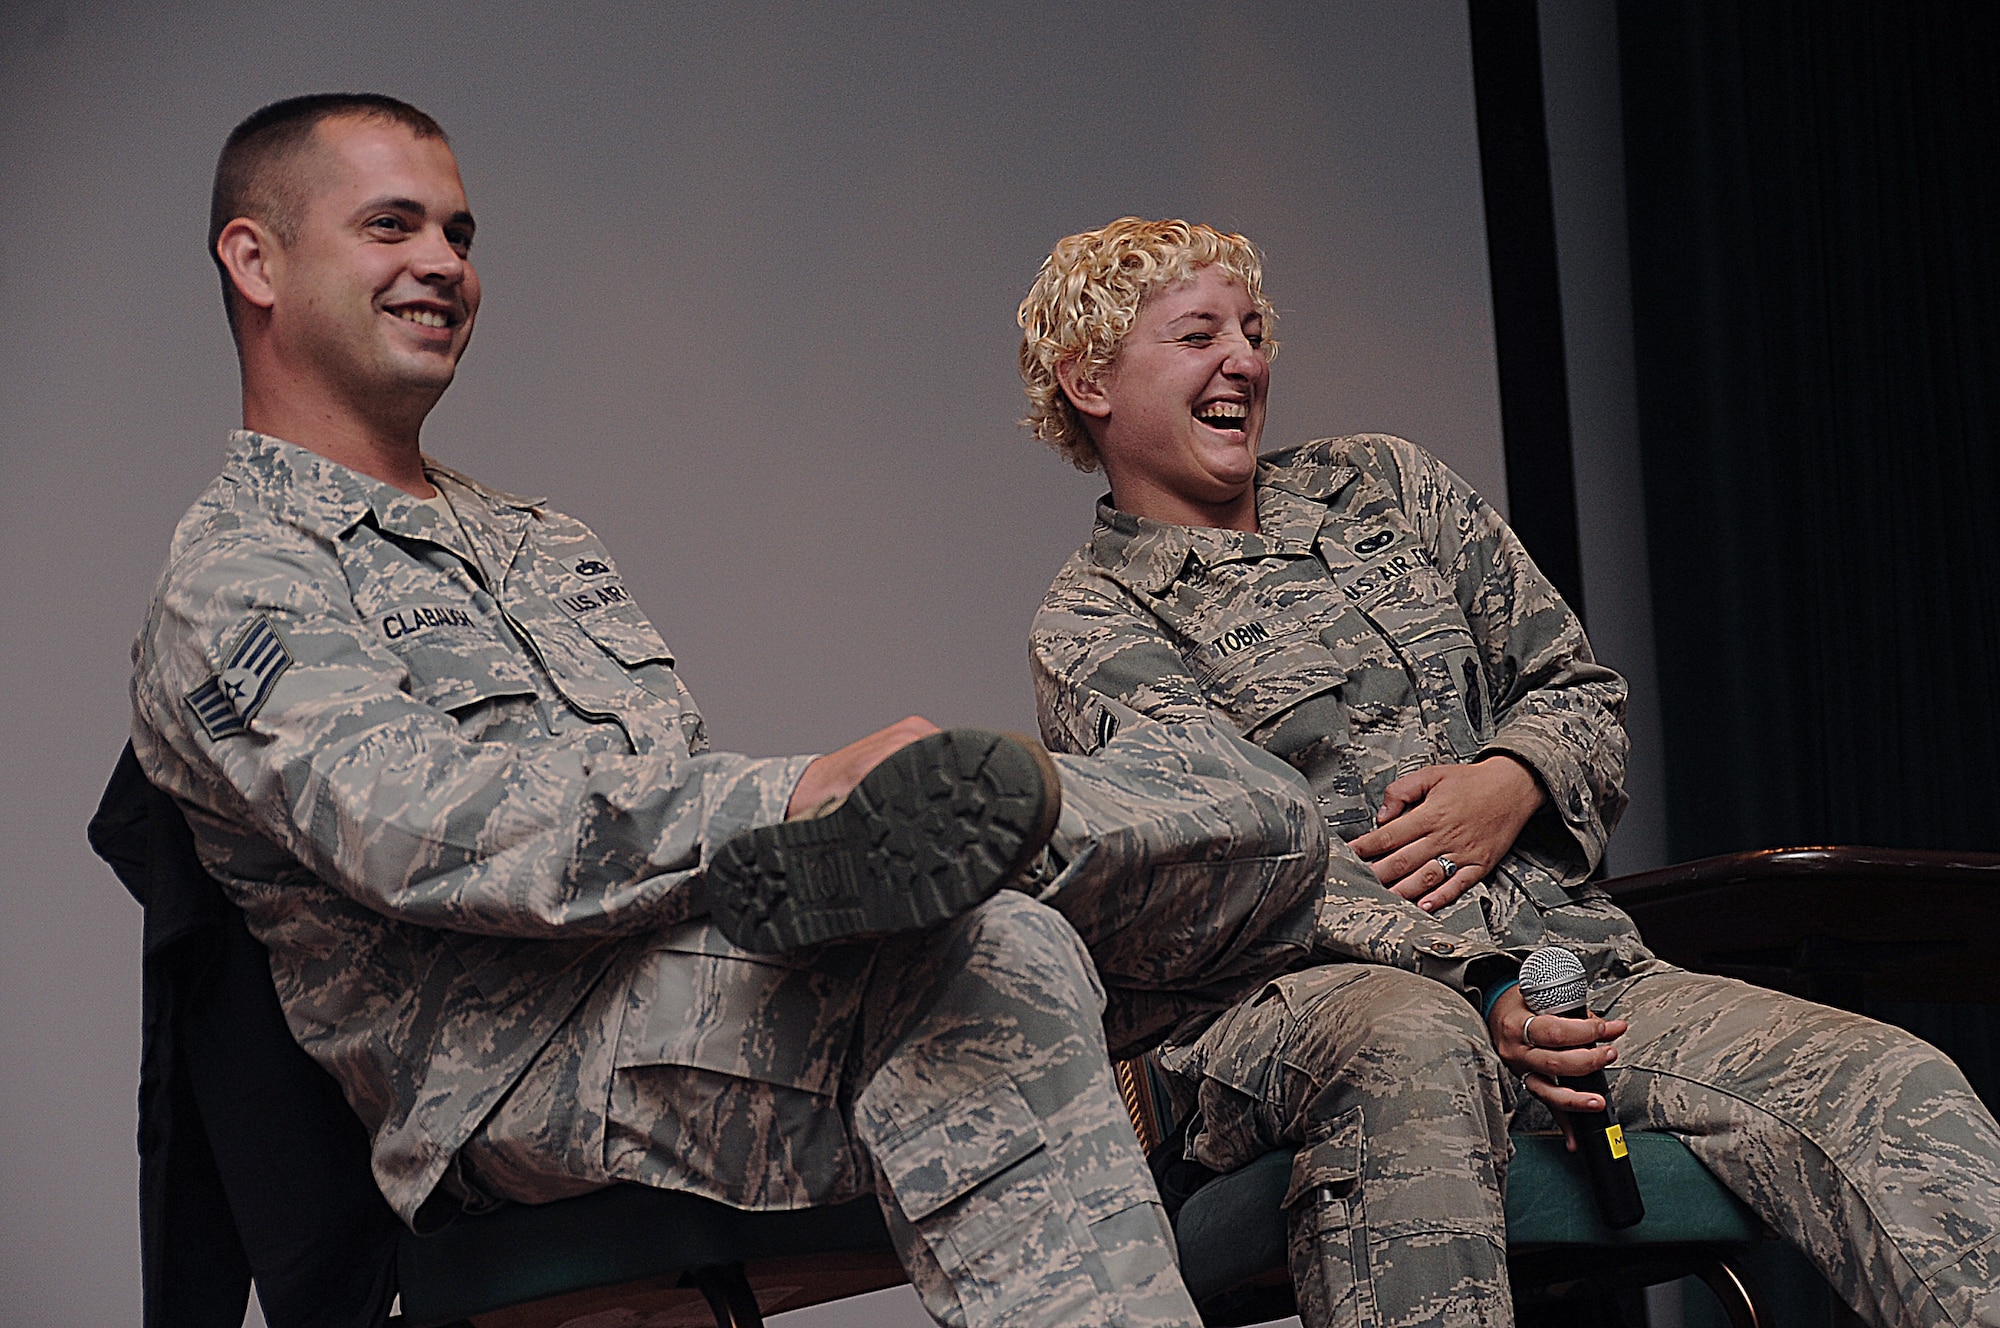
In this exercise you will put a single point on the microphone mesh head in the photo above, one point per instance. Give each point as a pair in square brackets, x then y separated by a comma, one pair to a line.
[1552, 980]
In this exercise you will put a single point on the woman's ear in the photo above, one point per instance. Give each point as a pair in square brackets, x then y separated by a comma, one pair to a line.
[1086, 393]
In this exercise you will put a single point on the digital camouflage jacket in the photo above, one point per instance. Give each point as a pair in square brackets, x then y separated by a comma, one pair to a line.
[442, 764]
[1381, 618]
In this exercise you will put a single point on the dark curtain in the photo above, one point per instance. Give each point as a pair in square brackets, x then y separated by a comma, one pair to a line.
[1816, 301]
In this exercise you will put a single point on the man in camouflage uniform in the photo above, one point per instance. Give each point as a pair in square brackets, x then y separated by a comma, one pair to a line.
[1353, 607]
[430, 746]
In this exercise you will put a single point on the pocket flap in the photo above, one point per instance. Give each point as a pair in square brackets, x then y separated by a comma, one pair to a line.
[1263, 679]
[740, 1016]
[454, 666]
[1333, 1163]
[951, 1150]
[623, 632]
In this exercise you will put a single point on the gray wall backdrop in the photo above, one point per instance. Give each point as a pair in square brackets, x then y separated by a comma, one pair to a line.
[750, 278]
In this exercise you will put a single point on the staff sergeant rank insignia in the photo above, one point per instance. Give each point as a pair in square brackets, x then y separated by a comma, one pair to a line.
[226, 704]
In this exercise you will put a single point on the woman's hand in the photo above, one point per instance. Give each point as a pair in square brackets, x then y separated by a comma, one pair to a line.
[1561, 1047]
[1471, 814]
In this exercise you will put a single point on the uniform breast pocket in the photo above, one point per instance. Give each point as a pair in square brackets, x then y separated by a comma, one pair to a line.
[622, 632]
[1430, 632]
[1450, 684]
[1263, 688]
[455, 658]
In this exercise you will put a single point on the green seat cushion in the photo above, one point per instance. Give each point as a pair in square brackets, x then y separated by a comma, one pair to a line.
[1233, 1228]
[523, 1253]
[1549, 1201]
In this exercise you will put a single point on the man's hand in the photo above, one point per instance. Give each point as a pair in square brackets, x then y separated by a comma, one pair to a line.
[1471, 814]
[835, 774]
[1561, 1047]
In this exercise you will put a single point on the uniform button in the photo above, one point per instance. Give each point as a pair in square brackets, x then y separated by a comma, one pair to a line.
[1444, 947]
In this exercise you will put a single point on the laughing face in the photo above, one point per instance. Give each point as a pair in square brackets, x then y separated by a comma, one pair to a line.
[1178, 414]
[377, 289]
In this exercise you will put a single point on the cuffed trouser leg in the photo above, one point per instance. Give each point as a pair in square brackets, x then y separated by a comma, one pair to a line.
[1861, 1145]
[1387, 1085]
[1191, 860]
[1012, 1184]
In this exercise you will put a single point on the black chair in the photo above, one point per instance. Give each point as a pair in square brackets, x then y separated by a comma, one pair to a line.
[252, 1166]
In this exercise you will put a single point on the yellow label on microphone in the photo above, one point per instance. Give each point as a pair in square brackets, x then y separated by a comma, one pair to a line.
[1616, 1135]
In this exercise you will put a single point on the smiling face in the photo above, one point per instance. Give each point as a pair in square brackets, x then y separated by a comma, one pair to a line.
[376, 293]
[1178, 415]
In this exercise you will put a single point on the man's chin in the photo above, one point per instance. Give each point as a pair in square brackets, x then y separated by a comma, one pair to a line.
[426, 372]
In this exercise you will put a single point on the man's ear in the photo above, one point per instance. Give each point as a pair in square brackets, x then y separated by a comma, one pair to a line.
[248, 252]
[1085, 393]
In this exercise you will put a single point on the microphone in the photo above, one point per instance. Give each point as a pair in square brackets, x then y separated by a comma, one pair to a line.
[1552, 983]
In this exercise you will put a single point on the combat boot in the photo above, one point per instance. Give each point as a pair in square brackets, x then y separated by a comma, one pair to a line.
[932, 831]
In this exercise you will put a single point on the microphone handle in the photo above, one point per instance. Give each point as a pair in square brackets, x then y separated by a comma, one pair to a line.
[1601, 1140]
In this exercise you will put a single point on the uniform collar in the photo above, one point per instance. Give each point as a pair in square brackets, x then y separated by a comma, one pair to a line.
[329, 499]
[1292, 494]
[1137, 551]
[1316, 470]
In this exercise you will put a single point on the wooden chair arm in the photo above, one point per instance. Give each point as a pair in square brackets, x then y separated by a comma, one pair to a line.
[1829, 923]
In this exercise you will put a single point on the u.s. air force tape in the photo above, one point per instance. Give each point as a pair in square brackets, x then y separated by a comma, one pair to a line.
[226, 703]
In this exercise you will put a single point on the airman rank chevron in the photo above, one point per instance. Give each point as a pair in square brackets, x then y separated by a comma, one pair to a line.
[226, 704]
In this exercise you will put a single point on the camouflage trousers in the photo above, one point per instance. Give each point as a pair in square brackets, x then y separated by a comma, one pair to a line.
[1192, 866]
[1859, 1144]
[960, 1073]
[1388, 1088]
[968, 1087]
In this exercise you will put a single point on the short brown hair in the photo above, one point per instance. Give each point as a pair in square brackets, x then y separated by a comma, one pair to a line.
[254, 176]
[1087, 295]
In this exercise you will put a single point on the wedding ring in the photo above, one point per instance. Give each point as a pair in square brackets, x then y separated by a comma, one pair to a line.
[1526, 1025]
[1450, 867]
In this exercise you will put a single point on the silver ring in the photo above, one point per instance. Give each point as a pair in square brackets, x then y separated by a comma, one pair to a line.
[1527, 1024]
[1450, 867]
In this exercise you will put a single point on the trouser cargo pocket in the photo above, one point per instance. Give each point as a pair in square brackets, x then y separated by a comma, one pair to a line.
[976, 1185]
[1327, 1231]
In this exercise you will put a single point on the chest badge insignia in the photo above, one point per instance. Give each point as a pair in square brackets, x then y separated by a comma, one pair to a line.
[226, 703]
[1380, 540]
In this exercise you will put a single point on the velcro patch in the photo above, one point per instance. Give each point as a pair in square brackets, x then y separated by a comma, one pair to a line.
[226, 704]
[600, 596]
[1245, 640]
[412, 619]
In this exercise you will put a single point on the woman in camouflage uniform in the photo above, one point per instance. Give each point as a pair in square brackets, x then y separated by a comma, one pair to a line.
[1355, 608]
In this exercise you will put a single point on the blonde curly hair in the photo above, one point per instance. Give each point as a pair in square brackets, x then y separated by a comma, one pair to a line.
[1087, 295]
